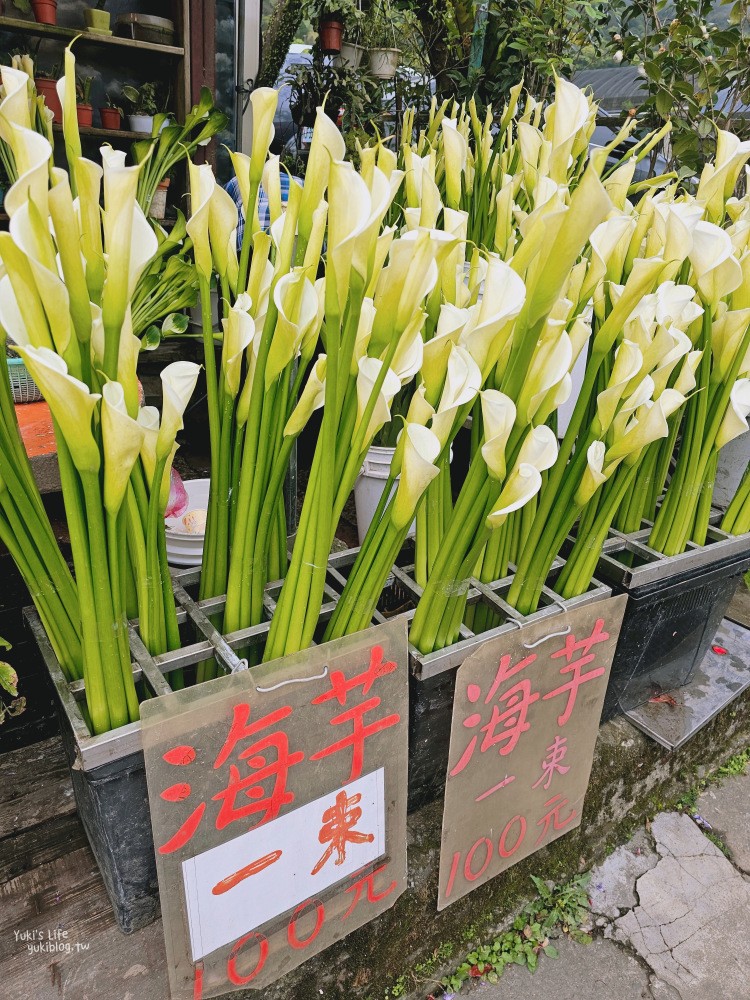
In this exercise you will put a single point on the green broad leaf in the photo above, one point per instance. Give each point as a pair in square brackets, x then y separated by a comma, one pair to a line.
[664, 103]
[174, 325]
[151, 339]
[4, 644]
[8, 679]
[551, 951]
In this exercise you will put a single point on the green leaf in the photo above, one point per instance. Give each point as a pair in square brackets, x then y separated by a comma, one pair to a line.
[551, 951]
[664, 103]
[151, 339]
[8, 679]
[4, 644]
[175, 324]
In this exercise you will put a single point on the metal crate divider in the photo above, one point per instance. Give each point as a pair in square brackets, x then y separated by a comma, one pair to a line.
[426, 665]
[93, 751]
[655, 565]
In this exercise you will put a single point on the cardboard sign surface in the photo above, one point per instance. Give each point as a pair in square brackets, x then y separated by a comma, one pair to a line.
[525, 720]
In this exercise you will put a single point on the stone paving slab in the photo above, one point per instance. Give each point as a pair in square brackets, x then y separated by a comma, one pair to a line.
[727, 808]
[599, 970]
[692, 921]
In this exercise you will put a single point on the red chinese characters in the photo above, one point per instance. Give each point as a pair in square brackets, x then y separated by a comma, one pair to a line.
[575, 668]
[340, 689]
[504, 728]
[338, 829]
[267, 760]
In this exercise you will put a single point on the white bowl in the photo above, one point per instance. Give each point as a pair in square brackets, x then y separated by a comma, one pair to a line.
[185, 549]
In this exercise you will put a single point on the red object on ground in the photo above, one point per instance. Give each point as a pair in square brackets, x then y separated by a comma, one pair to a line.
[37, 432]
[721, 650]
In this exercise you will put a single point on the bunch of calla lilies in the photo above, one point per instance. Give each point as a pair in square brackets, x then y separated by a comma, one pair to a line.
[477, 272]
[69, 270]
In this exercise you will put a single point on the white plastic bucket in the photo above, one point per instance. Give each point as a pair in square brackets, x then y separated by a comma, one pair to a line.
[369, 487]
[183, 548]
[350, 55]
[384, 63]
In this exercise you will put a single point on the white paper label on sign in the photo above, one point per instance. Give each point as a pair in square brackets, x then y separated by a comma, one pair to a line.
[240, 885]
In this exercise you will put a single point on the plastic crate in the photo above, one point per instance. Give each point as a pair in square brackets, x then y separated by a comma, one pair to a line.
[22, 385]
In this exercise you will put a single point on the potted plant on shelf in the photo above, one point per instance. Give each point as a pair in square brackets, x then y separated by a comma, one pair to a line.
[332, 17]
[346, 93]
[84, 109]
[45, 11]
[111, 116]
[143, 106]
[380, 38]
[45, 82]
[97, 19]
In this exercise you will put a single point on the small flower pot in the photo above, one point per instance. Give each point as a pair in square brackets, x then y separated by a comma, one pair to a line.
[350, 56]
[96, 20]
[141, 123]
[330, 33]
[45, 11]
[85, 115]
[158, 207]
[110, 119]
[384, 63]
[48, 90]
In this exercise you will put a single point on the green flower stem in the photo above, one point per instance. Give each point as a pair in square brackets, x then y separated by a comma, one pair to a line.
[736, 517]
[116, 552]
[580, 566]
[421, 574]
[157, 639]
[211, 544]
[102, 584]
[252, 560]
[239, 571]
[247, 235]
[704, 447]
[41, 589]
[703, 513]
[362, 572]
[444, 579]
[556, 515]
[265, 523]
[93, 673]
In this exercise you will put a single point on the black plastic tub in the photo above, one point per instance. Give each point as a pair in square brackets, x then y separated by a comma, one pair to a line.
[675, 606]
[112, 802]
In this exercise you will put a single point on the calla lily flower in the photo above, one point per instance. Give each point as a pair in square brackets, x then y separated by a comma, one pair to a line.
[312, 398]
[349, 210]
[148, 420]
[523, 484]
[735, 419]
[685, 382]
[593, 474]
[222, 229]
[456, 151]
[408, 357]
[726, 336]
[498, 416]
[178, 382]
[122, 439]
[369, 370]
[421, 448]
[327, 147]
[717, 270]
[628, 362]
[239, 330]
[649, 424]
[539, 448]
[297, 304]
[463, 380]
[564, 120]
[263, 101]
[550, 365]
[503, 299]
[71, 403]
[202, 186]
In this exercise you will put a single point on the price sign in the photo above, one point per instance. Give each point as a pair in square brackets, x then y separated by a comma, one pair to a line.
[278, 805]
[525, 720]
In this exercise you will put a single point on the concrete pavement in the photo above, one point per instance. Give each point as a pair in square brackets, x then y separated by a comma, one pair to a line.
[672, 912]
